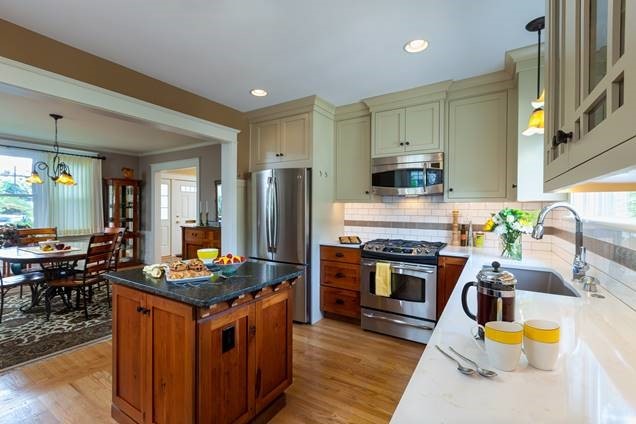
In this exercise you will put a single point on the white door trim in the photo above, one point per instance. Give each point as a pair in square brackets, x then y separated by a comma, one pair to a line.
[153, 254]
[28, 77]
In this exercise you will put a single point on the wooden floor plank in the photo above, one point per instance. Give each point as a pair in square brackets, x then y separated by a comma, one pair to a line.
[341, 375]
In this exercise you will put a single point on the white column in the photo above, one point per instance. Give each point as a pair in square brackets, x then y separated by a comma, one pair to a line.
[229, 226]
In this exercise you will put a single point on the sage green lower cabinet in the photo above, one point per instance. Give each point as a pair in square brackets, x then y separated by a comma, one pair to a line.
[353, 159]
[477, 155]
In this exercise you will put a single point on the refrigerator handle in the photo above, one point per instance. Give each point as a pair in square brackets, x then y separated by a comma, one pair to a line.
[269, 213]
[276, 216]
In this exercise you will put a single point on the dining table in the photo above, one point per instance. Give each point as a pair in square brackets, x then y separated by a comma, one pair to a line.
[52, 263]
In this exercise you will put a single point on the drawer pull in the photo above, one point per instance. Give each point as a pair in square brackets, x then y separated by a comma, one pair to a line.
[340, 302]
[340, 275]
[339, 255]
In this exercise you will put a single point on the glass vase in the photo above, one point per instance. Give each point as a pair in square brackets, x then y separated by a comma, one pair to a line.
[511, 246]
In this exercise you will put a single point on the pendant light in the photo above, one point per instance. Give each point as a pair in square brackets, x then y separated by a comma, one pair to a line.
[535, 123]
[61, 171]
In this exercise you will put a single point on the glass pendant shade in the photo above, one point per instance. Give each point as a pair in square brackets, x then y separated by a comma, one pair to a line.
[34, 178]
[65, 179]
[535, 123]
[539, 102]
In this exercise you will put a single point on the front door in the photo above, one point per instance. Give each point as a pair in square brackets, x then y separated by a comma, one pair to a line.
[184, 209]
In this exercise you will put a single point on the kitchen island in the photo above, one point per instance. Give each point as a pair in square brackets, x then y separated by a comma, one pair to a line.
[594, 381]
[202, 352]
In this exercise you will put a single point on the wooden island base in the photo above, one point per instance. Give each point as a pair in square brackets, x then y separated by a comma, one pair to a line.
[177, 363]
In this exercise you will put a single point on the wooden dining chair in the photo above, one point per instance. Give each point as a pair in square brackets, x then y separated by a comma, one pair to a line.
[96, 265]
[31, 237]
[121, 233]
[9, 282]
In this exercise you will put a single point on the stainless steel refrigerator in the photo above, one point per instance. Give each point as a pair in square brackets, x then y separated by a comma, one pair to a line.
[281, 200]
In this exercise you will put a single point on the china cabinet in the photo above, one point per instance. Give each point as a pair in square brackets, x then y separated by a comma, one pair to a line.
[122, 209]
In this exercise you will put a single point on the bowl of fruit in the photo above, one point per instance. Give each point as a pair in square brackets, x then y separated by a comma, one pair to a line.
[49, 245]
[229, 264]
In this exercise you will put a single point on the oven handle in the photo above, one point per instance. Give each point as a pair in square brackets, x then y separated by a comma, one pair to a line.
[420, 270]
[397, 321]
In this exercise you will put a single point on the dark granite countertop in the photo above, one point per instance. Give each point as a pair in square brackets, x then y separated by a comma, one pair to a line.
[252, 276]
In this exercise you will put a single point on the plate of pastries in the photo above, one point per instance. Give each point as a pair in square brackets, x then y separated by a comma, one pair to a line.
[187, 271]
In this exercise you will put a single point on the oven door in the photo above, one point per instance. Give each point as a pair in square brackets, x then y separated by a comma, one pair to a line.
[413, 289]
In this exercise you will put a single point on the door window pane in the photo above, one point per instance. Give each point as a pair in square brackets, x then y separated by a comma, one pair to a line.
[598, 41]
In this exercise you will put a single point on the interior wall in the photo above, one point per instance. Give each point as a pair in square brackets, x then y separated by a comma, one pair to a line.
[209, 168]
[25, 46]
[111, 167]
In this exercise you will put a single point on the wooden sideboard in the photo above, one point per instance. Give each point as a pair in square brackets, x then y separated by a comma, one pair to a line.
[195, 238]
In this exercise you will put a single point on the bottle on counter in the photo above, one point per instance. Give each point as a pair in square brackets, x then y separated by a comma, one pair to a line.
[463, 235]
[455, 236]
[479, 239]
[469, 237]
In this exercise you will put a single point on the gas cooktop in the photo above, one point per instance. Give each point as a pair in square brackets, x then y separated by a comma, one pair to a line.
[405, 250]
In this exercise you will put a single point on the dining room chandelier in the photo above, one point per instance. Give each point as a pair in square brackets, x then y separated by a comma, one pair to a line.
[58, 171]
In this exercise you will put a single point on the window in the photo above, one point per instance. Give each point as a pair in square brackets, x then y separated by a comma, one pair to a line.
[188, 189]
[164, 207]
[16, 196]
[612, 207]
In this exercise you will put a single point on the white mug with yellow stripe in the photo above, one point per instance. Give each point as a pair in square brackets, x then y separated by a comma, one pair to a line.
[502, 341]
[541, 343]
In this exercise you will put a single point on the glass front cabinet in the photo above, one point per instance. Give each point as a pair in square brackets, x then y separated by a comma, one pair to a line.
[590, 86]
[122, 209]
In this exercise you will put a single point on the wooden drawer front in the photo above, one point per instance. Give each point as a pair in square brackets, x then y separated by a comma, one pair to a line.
[201, 235]
[340, 254]
[341, 302]
[340, 275]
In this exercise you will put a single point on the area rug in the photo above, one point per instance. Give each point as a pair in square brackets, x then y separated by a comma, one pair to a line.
[25, 337]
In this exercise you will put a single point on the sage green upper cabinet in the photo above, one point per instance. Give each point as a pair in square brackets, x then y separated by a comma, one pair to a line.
[353, 159]
[294, 141]
[590, 90]
[265, 138]
[477, 155]
[413, 129]
[389, 133]
[281, 142]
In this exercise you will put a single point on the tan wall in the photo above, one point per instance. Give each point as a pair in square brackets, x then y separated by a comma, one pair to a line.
[34, 49]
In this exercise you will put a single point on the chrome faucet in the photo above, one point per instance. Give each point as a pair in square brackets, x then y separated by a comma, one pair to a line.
[579, 266]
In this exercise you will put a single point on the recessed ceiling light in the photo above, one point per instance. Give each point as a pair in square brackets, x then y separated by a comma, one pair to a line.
[258, 92]
[416, 46]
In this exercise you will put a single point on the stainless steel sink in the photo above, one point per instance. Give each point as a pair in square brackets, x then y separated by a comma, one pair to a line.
[542, 281]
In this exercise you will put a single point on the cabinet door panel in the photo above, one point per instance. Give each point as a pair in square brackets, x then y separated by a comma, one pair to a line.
[422, 128]
[226, 374]
[128, 351]
[477, 144]
[388, 132]
[273, 347]
[353, 159]
[295, 138]
[265, 142]
[170, 369]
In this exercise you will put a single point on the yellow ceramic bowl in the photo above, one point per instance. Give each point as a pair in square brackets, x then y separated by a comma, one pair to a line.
[208, 254]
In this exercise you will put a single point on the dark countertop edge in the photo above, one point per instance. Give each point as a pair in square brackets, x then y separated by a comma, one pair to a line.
[196, 302]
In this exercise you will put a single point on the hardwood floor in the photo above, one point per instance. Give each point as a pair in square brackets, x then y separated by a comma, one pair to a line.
[341, 375]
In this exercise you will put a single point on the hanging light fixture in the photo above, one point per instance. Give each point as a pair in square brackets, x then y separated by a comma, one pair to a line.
[61, 171]
[535, 123]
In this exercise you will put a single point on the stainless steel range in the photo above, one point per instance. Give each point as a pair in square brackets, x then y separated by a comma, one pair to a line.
[409, 312]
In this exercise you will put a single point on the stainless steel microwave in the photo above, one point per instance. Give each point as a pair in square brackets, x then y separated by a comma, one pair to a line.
[410, 175]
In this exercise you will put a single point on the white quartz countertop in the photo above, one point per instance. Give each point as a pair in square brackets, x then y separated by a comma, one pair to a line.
[595, 378]
[338, 244]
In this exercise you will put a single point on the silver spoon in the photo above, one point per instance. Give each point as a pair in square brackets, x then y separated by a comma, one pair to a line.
[460, 367]
[482, 371]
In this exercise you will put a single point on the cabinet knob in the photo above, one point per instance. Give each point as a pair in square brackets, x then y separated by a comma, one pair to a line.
[339, 255]
[339, 302]
[339, 275]
[561, 137]
[408, 143]
[450, 189]
[366, 192]
[277, 154]
[401, 144]
[281, 154]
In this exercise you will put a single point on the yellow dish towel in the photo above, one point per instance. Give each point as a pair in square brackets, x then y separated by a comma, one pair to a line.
[383, 279]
